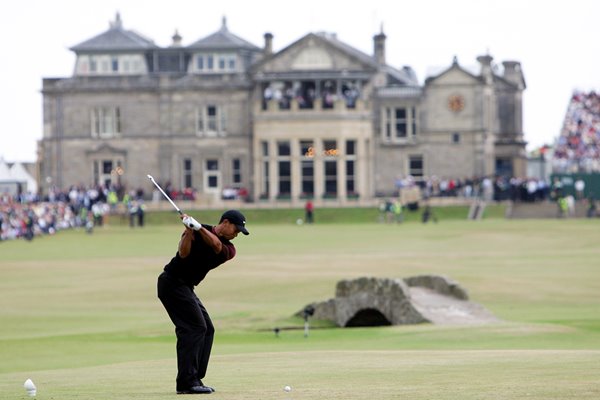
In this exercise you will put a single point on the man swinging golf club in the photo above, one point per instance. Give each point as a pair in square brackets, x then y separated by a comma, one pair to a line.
[201, 248]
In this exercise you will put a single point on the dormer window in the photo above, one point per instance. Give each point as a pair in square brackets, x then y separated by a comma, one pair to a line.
[93, 65]
[215, 62]
[106, 64]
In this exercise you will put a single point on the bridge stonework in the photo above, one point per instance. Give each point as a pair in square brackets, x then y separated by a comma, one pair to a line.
[370, 301]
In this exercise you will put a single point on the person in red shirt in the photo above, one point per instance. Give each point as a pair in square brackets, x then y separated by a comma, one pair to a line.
[308, 212]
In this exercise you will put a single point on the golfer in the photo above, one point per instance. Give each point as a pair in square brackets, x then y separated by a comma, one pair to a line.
[200, 250]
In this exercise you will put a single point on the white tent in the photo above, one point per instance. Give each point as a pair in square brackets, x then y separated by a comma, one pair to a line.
[19, 173]
[14, 178]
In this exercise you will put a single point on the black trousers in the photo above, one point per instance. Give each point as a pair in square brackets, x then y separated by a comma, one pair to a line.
[193, 328]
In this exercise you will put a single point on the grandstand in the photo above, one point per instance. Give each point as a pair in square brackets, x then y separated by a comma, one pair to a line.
[577, 149]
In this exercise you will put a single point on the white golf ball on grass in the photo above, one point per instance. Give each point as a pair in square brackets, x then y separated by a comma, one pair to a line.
[30, 387]
[287, 388]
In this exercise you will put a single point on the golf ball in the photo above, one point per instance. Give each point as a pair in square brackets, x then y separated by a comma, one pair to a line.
[287, 388]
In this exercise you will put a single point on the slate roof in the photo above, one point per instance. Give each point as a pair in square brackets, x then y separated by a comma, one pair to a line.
[223, 39]
[115, 39]
[405, 76]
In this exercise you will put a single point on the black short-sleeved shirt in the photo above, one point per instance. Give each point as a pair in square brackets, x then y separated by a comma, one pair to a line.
[192, 269]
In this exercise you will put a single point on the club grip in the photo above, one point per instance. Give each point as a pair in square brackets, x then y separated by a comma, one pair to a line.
[191, 223]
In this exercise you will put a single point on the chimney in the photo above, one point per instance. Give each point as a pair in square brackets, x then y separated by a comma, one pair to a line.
[117, 23]
[486, 68]
[268, 43]
[224, 24]
[379, 47]
[513, 73]
[176, 39]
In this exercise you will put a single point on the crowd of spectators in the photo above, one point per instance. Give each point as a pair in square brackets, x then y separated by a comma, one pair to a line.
[305, 93]
[27, 216]
[495, 188]
[577, 149]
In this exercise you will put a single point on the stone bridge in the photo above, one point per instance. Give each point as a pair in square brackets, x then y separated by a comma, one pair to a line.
[370, 301]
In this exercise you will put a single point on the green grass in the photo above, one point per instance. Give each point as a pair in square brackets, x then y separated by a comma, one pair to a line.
[346, 215]
[79, 313]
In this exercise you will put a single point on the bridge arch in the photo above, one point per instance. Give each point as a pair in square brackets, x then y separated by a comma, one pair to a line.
[368, 317]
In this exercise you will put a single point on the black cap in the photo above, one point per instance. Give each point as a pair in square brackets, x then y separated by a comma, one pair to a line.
[236, 218]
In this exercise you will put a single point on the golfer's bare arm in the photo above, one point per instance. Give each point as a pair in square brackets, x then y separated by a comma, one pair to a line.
[185, 243]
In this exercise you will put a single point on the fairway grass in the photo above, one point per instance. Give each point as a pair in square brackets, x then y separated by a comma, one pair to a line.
[80, 317]
[390, 374]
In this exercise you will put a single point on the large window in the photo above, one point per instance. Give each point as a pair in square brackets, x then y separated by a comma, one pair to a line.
[285, 183]
[284, 169]
[212, 176]
[400, 131]
[350, 168]
[236, 172]
[307, 168]
[415, 166]
[330, 152]
[330, 178]
[107, 171]
[399, 124]
[187, 173]
[212, 121]
[106, 121]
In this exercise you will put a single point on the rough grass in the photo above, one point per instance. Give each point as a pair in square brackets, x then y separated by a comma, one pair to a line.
[79, 314]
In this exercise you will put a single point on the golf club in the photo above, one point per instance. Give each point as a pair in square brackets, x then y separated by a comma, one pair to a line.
[191, 223]
[164, 194]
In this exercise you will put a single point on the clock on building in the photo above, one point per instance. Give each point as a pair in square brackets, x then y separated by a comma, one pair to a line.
[456, 103]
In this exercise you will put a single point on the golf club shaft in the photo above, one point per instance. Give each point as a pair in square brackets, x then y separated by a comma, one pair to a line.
[164, 194]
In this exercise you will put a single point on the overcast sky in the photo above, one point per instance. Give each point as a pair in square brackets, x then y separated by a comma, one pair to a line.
[556, 41]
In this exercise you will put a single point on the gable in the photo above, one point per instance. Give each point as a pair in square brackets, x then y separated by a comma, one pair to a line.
[312, 58]
[316, 52]
[453, 76]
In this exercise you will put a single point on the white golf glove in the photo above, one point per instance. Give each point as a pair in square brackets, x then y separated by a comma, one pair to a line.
[191, 223]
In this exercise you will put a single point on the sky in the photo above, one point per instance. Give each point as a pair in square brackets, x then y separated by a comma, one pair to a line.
[556, 42]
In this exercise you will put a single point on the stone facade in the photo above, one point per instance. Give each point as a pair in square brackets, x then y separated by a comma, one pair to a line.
[319, 119]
